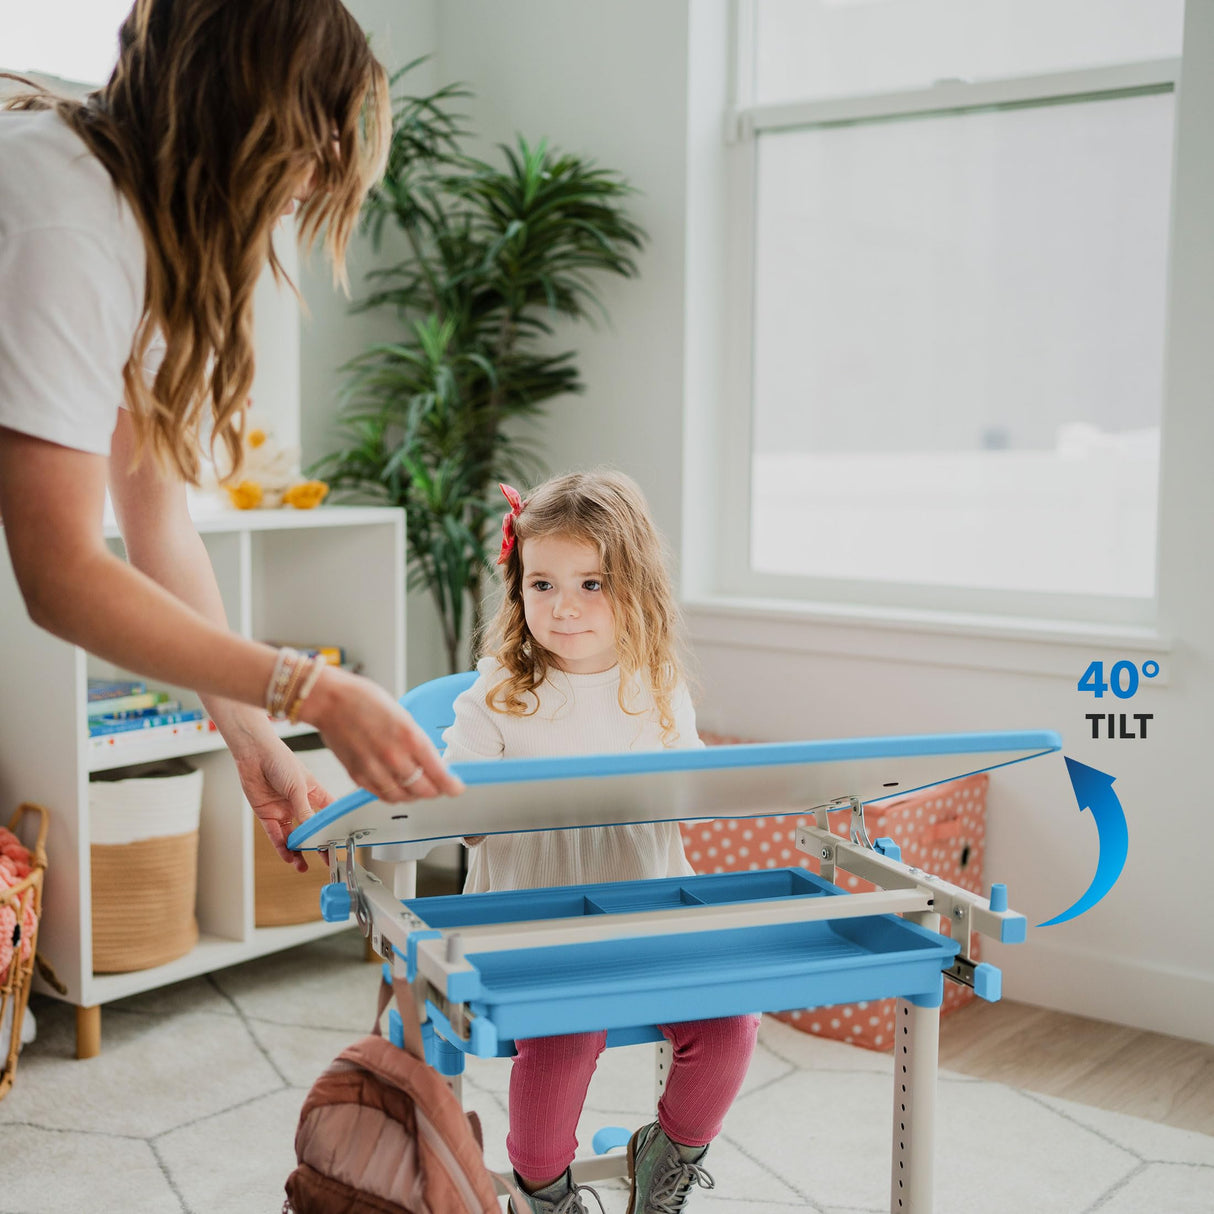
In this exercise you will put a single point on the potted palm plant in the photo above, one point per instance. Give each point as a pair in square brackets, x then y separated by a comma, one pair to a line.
[495, 254]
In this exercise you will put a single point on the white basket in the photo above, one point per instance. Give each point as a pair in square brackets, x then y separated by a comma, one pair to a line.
[167, 801]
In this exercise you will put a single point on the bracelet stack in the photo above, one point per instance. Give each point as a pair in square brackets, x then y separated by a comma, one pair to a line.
[291, 681]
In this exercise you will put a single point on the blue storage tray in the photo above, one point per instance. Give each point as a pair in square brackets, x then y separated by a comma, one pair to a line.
[665, 979]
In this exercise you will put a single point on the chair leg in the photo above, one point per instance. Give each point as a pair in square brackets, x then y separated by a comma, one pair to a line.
[88, 1031]
[600, 1167]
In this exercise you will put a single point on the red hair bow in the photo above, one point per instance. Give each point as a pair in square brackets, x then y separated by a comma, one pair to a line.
[516, 508]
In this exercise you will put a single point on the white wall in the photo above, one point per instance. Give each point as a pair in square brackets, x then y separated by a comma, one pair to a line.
[607, 81]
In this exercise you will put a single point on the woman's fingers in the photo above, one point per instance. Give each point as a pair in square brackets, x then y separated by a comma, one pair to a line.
[410, 783]
[378, 742]
[415, 786]
[434, 774]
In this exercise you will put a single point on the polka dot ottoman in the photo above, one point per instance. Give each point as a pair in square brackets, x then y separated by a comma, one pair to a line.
[941, 830]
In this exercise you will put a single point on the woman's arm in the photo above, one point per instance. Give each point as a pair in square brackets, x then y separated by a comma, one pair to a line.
[51, 500]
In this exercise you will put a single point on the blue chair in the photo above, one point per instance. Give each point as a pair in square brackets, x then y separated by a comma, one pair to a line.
[432, 706]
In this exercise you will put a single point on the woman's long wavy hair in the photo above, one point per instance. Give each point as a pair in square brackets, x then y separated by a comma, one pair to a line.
[212, 121]
[606, 510]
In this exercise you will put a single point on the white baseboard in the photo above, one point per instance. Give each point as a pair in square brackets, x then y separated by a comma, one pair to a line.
[1160, 999]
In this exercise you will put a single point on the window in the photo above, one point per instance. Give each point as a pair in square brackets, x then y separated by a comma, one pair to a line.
[957, 270]
[72, 39]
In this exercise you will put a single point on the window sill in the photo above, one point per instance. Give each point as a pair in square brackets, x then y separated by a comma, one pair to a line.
[1059, 648]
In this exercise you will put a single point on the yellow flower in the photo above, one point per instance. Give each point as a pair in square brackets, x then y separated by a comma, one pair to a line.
[245, 496]
[305, 495]
[255, 438]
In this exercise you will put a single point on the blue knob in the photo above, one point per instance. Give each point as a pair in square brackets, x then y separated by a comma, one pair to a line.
[448, 1059]
[988, 982]
[610, 1137]
[998, 898]
[334, 903]
[888, 848]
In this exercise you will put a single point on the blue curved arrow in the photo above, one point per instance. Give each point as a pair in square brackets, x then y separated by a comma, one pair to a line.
[1094, 791]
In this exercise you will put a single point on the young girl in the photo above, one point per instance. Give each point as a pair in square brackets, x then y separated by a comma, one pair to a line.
[582, 659]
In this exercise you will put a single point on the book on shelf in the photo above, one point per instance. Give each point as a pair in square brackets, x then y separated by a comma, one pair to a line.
[111, 689]
[137, 702]
[136, 714]
[151, 721]
[188, 732]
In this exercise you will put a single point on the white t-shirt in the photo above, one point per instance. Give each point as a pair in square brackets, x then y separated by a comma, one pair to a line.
[578, 714]
[72, 267]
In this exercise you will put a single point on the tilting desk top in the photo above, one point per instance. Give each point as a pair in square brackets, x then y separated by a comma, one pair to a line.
[761, 780]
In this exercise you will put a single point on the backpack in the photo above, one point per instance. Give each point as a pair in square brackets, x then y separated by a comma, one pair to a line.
[381, 1132]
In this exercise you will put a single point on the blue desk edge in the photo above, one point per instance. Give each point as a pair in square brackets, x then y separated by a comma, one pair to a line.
[758, 754]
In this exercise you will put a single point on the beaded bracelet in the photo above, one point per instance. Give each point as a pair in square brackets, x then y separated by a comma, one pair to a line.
[314, 669]
[293, 677]
[280, 677]
[290, 695]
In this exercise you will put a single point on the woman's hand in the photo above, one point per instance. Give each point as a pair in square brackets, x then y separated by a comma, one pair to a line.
[281, 791]
[377, 742]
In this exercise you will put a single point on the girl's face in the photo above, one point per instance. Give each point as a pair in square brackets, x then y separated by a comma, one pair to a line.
[565, 605]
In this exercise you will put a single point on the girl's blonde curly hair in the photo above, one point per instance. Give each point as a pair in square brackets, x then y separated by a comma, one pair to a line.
[215, 113]
[606, 510]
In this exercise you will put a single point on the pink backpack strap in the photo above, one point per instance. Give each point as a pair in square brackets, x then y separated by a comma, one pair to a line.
[407, 1005]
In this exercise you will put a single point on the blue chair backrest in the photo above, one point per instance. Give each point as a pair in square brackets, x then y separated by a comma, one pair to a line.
[432, 704]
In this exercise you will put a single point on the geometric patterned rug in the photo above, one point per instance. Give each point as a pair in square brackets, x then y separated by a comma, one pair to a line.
[191, 1108]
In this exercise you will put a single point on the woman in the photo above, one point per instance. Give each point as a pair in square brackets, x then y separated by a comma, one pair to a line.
[133, 229]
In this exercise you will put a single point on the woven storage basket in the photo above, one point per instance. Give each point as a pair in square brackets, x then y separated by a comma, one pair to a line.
[281, 895]
[16, 978]
[145, 867]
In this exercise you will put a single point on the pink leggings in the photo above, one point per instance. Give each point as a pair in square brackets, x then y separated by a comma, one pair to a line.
[550, 1077]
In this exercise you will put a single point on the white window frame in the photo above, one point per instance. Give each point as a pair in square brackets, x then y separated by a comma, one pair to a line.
[745, 123]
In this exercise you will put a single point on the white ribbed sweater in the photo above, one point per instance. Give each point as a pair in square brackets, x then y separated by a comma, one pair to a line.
[577, 714]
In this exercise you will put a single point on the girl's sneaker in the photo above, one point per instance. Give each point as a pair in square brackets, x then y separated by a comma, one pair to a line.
[560, 1197]
[660, 1174]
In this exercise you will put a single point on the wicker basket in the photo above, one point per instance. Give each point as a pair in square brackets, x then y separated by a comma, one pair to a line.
[15, 981]
[144, 879]
[281, 894]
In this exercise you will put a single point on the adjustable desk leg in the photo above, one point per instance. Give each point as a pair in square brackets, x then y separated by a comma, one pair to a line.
[661, 1069]
[916, 1054]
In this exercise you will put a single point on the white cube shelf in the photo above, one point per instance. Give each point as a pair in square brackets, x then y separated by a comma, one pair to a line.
[335, 575]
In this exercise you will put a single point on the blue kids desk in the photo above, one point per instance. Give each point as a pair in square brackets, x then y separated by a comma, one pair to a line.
[627, 956]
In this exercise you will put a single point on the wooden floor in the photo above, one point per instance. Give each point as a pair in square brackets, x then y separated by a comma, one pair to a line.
[1124, 1070]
